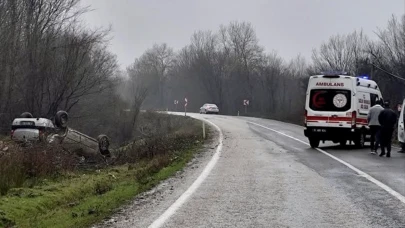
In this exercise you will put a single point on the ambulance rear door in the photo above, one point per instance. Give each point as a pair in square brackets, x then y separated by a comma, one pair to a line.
[330, 102]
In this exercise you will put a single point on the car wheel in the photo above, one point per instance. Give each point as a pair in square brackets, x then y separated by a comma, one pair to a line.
[61, 119]
[314, 143]
[104, 144]
[27, 115]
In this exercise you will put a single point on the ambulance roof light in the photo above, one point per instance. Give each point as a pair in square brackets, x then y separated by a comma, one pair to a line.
[364, 77]
[333, 73]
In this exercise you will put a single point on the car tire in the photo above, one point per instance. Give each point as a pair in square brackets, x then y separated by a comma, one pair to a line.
[314, 143]
[103, 145]
[61, 119]
[27, 115]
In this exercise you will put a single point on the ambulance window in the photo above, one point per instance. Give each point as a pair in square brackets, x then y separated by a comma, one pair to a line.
[330, 100]
[374, 98]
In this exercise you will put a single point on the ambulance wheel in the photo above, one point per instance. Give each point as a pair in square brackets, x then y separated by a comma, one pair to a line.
[314, 143]
[360, 141]
[343, 143]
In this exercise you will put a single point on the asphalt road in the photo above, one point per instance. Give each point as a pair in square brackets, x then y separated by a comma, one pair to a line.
[265, 175]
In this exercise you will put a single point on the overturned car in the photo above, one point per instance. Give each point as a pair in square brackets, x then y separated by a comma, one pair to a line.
[28, 129]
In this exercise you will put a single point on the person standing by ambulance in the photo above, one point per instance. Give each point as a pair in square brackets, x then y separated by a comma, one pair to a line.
[375, 126]
[388, 120]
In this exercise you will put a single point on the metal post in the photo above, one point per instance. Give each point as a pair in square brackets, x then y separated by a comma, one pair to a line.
[185, 110]
[238, 113]
[203, 125]
[245, 109]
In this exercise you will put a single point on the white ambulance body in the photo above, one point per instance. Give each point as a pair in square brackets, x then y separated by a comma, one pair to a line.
[401, 127]
[336, 108]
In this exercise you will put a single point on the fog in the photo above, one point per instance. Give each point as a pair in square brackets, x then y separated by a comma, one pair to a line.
[209, 52]
[289, 27]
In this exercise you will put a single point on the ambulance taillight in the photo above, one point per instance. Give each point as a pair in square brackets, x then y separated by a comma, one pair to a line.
[354, 116]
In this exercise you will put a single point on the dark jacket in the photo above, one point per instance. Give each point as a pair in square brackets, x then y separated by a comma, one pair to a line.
[387, 118]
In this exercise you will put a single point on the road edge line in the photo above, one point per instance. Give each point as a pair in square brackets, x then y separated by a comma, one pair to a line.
[358, 171]
[161, 220]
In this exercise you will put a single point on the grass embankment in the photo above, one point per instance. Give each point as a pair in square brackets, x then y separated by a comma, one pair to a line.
[81, 198]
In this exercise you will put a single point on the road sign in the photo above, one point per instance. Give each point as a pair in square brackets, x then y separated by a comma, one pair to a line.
[176, 102]
[245, 102]
[185, 106]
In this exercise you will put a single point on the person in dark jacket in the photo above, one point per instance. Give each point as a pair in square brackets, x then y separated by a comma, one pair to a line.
[388, 120]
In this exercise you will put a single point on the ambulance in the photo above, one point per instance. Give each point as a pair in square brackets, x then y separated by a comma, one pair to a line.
[336, 108]
[401, 127]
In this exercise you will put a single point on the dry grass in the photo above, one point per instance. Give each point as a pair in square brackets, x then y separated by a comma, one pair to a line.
[78, 198]
[26, 166]
[158, 137]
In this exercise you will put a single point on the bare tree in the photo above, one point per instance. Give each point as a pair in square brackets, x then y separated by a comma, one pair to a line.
[240, 42]
[341, 52]
[207, 64]
[159, 59]
[388, 55]
[47, 60]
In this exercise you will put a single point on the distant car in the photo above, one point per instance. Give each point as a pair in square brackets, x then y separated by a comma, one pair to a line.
[209, 108]
[30, 129]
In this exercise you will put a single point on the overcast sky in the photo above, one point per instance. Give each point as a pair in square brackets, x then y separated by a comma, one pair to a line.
[288, 26]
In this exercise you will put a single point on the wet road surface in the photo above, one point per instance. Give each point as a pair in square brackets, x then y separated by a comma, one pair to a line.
[266, 175]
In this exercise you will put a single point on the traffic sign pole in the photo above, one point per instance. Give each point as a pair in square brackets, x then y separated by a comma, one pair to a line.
[185, 106]
[246, 103]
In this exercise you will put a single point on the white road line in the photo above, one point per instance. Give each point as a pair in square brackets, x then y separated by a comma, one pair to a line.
[361, 173]
[186, 195]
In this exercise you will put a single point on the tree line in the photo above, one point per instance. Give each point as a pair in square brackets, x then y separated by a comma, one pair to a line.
[49, 61]
[228, 66]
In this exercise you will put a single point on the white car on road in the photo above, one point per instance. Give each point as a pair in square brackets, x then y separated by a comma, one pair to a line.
[209, 108]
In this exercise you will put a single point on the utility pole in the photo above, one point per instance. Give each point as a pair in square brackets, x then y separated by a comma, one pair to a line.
[372, 72]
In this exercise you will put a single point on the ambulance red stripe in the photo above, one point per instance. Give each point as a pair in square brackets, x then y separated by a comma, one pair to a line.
[335, 119]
